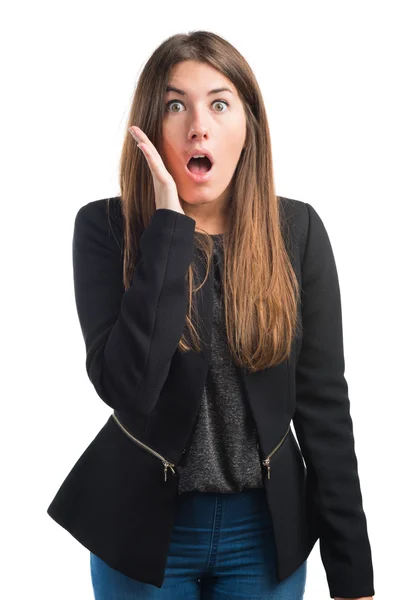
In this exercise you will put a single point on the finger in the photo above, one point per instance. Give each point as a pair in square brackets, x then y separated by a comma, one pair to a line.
[155, 163]
[141, 137]
[154, 159]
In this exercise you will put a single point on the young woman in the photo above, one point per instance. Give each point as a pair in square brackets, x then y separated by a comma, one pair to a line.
[210, 309]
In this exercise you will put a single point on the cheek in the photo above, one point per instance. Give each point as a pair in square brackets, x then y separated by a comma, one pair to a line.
[169, 133]
[233, 140]
[171, 160]
[167, 151]
[231, 153]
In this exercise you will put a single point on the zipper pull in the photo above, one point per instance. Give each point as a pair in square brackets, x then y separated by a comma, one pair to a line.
[166, 465]
[266, 462]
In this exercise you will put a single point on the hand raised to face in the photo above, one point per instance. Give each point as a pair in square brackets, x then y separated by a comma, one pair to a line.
[166, 193]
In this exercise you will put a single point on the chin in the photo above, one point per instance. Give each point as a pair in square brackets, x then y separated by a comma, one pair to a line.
[201, 195]
[199, 201]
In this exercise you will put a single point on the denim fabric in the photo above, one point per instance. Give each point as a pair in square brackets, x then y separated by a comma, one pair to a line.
[222, 548]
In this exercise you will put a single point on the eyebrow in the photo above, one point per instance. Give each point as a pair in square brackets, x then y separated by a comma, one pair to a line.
[171, 88]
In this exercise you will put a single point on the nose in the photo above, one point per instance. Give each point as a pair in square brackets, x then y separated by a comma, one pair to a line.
[198, 132]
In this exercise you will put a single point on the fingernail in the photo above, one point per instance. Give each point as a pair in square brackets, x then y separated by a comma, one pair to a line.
[133, 135]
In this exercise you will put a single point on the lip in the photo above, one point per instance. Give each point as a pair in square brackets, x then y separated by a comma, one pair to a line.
[195, 151]
[199, 177]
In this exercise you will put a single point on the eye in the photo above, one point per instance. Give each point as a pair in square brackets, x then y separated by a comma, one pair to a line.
[172, 102]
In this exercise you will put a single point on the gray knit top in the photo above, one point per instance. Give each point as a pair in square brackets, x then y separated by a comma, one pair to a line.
[223, 455]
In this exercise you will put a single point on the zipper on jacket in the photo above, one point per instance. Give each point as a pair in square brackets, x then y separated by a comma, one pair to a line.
[166, 463]
[266, 462]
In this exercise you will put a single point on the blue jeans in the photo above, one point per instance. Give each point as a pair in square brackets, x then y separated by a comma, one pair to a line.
[222, 548]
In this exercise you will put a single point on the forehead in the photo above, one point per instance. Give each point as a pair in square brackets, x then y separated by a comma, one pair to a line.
[193, 77]
[218, 90]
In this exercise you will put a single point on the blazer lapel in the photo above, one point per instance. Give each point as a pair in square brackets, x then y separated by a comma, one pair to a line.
[179, 402]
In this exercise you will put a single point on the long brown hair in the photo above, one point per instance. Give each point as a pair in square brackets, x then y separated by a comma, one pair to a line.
[261, 291]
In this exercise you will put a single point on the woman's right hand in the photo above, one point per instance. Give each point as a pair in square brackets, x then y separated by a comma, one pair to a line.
[166, 194]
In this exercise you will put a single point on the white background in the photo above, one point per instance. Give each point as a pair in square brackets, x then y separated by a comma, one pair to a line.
[329, 76]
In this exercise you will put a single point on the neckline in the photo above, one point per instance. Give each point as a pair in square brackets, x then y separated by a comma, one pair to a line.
[214, 235]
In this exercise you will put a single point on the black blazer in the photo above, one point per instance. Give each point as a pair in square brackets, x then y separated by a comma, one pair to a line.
[119, 499]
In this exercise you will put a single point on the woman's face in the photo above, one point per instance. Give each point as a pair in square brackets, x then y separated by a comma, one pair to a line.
[196, 116]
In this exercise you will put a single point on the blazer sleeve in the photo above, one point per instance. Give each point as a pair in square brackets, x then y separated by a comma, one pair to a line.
[131, 335]
[323, 423]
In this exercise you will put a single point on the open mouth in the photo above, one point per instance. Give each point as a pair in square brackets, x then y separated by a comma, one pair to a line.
[199, 165]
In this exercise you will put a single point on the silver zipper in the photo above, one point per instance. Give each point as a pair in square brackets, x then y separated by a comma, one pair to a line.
[166, 463]
[266, 462]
